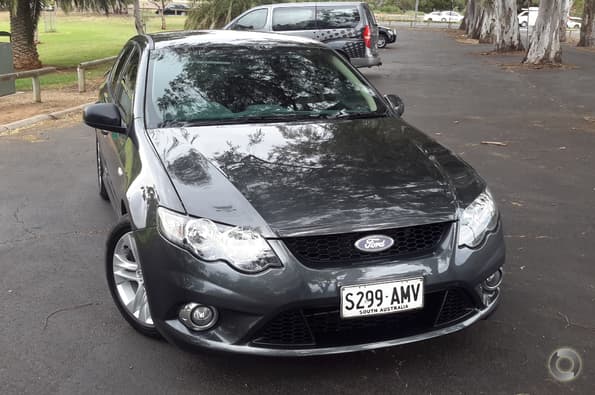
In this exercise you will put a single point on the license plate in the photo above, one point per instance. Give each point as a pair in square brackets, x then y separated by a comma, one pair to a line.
[382, 298]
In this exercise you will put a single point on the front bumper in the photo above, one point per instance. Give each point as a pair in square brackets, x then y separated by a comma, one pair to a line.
[391, 36]
[179, 335]
[246, 303]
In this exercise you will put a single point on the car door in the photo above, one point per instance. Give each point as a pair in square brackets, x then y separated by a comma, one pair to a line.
[296, 21]
[122, 145]
[105, 142]
[118, 91]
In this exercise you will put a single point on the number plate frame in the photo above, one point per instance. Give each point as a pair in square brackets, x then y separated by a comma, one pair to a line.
[391, 284]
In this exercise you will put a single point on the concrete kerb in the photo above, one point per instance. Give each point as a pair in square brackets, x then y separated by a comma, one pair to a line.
[40, 118]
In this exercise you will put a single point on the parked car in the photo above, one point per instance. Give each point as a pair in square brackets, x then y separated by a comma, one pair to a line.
[386, 35]
[527, 17]
[348, 28]
[271, 201]
[175, 9]
[574, 22]
[443, 16]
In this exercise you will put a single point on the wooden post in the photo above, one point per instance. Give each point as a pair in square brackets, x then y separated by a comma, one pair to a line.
[81, 78]
[36, 89]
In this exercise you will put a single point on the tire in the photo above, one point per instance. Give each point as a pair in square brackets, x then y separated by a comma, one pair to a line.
[524, 24]
[430, 20]
[382, 40]
[121, 243]
[443, 20]
[100, 173]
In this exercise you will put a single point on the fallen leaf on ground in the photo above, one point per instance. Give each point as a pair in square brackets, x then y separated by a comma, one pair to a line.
[498, 143]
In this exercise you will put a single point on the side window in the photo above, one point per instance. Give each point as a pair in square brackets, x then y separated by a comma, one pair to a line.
[254, 20]
[126, 85]
[337, 17]
[117, 68]
[294, 18]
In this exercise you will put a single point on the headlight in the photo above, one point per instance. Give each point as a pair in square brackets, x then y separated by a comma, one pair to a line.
[479, 218]
[243, 249]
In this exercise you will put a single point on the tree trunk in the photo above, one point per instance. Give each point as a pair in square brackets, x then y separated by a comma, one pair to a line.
[163, 25]
[473, 15]
[23, 22]
[507, 36]
[564, 13]
[588, 27]
[162, 12]
[544, 46]
[475, 20]
[138, 18]
[469, 15]
[488, 22]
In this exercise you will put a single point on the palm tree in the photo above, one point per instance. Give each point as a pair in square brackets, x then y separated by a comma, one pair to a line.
[24, 16]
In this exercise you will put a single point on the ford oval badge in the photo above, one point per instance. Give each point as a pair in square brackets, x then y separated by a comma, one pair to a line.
[374, 243]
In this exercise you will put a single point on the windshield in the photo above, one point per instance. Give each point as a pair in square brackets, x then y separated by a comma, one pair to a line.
[241, 84]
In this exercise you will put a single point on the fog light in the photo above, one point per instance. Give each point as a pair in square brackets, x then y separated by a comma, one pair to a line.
[198, 317]
[493, 282]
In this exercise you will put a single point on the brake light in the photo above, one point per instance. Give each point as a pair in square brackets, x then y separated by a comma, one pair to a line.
[367, 36]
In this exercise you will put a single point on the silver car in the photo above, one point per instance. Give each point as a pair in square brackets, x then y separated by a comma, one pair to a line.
[348, 28]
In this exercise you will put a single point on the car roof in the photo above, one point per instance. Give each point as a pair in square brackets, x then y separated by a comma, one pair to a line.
[313, 3]
[222, 37]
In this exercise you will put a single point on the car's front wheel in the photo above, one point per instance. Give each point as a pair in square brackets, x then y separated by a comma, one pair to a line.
[125, 279]
[382, 40]
[523, 24]
[443, 20]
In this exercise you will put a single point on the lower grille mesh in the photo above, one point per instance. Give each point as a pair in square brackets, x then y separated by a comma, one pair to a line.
[323, 327]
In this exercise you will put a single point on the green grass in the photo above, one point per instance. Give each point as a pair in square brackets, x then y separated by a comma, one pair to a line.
[81, 38]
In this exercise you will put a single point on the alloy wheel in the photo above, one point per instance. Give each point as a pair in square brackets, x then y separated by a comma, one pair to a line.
[129, 281]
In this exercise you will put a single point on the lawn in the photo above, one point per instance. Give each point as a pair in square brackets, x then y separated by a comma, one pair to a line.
[79, 38]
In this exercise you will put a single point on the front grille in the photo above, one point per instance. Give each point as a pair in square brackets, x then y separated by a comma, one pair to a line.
[323, 327]
[339, 249]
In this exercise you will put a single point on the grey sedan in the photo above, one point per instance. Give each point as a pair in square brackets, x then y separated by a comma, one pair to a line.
[271, 201]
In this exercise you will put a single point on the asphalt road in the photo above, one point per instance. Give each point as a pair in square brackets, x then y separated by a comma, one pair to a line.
[60, 332]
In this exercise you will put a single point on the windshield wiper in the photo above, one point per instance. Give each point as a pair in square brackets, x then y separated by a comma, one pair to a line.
[358, 115]
[282, 117]
[250, 119]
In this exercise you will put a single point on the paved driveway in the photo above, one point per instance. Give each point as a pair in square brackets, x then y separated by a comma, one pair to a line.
[60, 332]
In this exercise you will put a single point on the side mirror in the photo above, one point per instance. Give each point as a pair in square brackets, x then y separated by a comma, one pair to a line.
[396, 103]
[104, 116]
